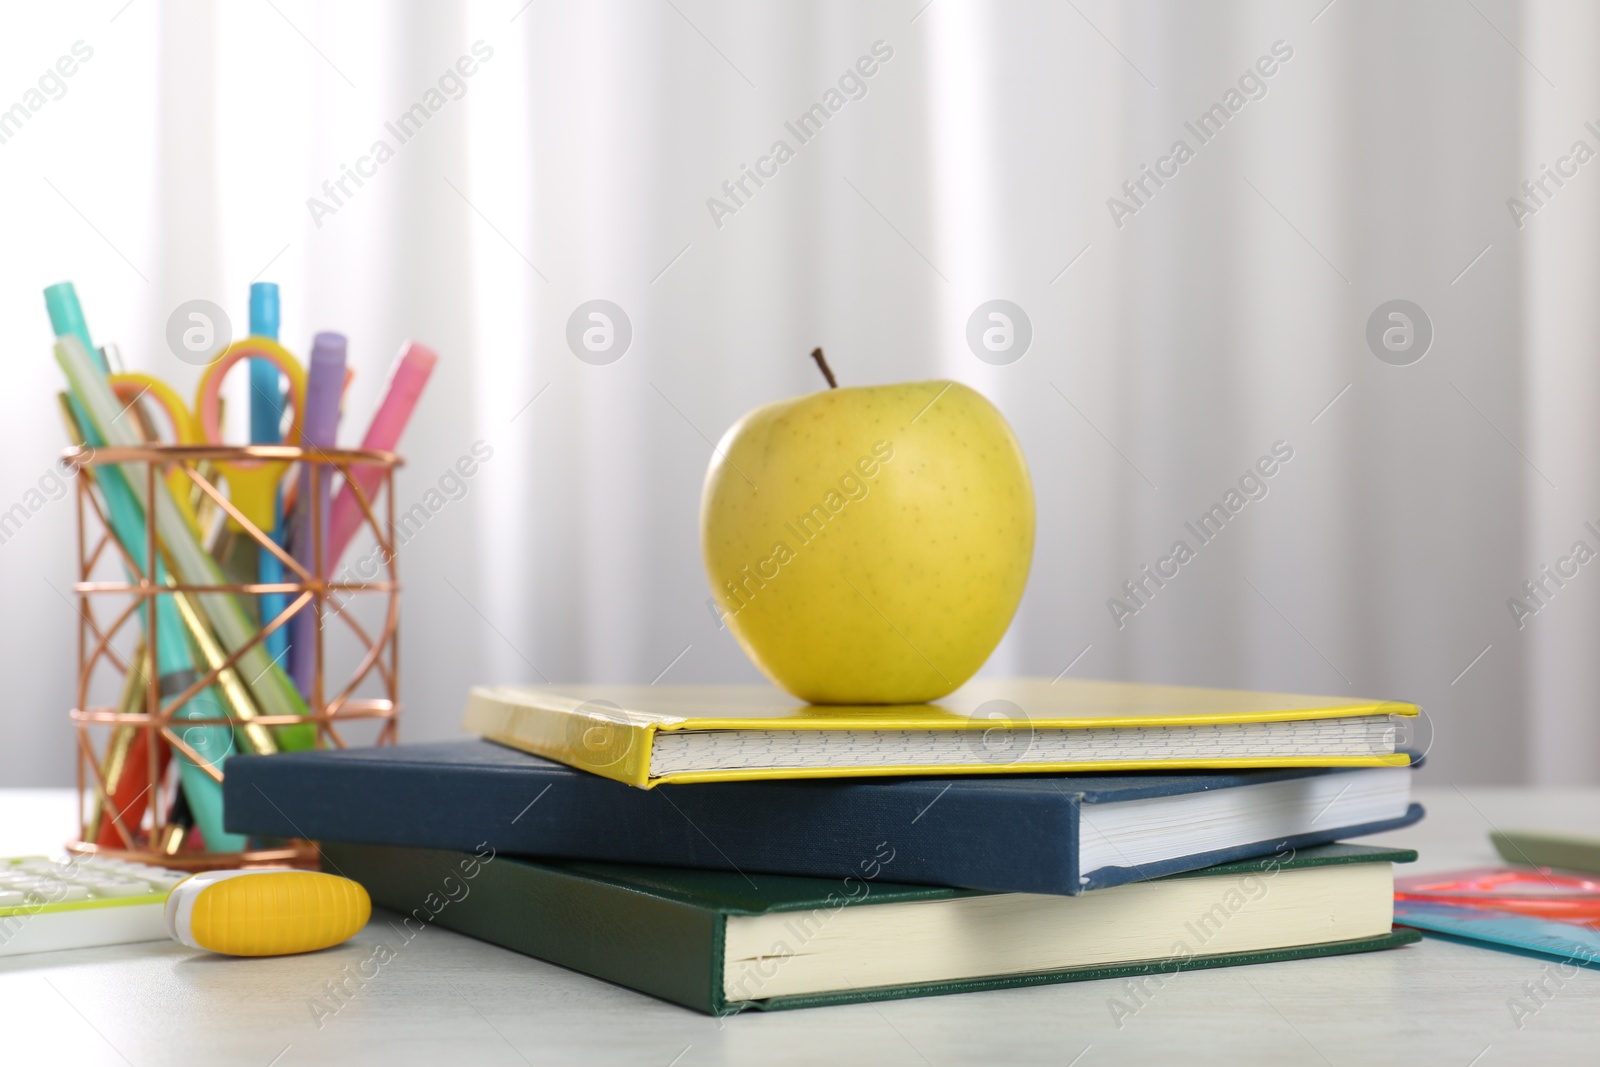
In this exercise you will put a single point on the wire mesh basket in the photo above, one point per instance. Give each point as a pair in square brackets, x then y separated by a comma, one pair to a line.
[149, 761]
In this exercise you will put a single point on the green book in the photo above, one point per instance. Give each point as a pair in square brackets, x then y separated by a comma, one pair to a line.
[719, 942]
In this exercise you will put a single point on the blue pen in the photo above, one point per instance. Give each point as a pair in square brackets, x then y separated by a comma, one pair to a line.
[266, 421]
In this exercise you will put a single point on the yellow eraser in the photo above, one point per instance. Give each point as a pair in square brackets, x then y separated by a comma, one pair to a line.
[266, 913]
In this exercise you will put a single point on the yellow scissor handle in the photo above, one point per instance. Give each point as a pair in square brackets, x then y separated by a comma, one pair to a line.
[206, 397]
[252, 484]
[132, 387]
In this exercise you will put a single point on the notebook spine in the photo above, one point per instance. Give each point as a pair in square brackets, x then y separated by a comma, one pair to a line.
[596, 736]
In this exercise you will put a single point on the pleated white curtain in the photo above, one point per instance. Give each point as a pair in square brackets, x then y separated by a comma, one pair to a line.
[1212, 321]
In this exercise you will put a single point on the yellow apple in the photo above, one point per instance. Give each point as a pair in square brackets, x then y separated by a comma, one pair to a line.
[869, 545]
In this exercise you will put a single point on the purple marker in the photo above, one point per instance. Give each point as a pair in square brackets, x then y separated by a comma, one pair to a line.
[318, 429]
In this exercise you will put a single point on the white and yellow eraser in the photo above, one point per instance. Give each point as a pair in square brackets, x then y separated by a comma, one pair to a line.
[266, 913]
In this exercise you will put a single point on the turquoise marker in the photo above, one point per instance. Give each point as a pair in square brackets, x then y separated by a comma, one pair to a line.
[174, 662]
[66, 317]
[266, 420]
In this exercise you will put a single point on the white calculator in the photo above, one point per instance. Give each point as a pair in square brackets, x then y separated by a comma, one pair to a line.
[80, 902]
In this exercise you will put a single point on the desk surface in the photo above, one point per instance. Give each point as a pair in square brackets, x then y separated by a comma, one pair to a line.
[446, 999]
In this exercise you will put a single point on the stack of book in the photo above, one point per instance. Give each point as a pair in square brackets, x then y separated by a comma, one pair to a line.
[728, 848]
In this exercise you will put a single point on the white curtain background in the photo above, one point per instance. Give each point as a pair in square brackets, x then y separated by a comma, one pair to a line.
[1168, 353]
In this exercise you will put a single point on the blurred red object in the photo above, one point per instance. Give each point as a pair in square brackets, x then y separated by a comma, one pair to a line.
[1536, 891]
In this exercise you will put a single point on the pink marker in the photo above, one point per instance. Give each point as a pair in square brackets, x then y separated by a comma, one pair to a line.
[406, 379]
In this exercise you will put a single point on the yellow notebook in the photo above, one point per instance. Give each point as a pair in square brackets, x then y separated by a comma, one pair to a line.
[645, 735]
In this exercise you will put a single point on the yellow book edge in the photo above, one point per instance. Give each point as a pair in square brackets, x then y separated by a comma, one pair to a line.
[617, 744]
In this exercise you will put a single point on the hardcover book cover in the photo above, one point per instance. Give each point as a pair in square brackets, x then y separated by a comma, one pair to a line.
[1020, 833]
[646, 735]
[666, 932]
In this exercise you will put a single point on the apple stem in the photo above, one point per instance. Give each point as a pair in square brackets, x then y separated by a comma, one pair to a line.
[827, 372]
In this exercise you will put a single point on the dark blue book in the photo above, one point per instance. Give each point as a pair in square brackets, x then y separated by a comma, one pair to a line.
[1061, 834]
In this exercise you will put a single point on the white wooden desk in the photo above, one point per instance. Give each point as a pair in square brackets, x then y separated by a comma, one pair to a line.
[448, 1000]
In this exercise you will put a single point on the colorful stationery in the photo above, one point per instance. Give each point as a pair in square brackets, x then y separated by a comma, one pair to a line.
[175, 665]
[66, 317]
[1508, 931]
[124, 512]
[252, 484]
[213, 634]
[134, 390]
[1036, 834]
[1521, 909]
[645, 735]
[266, 393]
[126, 768]
[266, 428]
[240, 705]
[187, 557]
[406, 381]
[203, 794]
[324, 386]
[719, 942]
[1535, 891]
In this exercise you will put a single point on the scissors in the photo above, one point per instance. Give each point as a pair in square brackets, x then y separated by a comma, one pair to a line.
[252, 484]
[131, 388]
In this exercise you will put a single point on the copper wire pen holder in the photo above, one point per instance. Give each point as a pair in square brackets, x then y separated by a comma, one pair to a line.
[152, 838]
